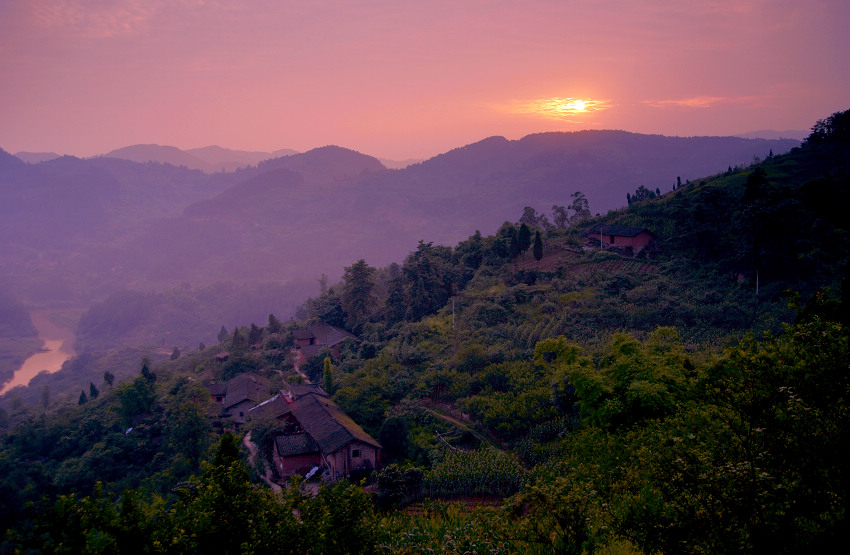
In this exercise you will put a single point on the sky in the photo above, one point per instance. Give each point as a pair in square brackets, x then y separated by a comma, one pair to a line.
[406, 79]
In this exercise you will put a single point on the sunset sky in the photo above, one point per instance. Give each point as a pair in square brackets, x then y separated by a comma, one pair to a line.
[409, 78]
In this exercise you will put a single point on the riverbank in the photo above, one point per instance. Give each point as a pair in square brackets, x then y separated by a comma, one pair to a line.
[55, 332]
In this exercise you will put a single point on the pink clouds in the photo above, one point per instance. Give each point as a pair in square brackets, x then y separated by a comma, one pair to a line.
[407, 78]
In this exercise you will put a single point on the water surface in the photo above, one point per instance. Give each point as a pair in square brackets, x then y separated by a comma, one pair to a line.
[57, 348]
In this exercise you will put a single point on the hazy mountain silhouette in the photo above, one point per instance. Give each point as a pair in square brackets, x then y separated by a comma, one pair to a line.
[36, 157]
[217, 158]
[9, 162]
[157, 153]
[798, 134]
[209, 159]
[82, 228]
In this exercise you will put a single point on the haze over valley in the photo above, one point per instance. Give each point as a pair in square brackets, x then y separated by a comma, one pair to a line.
[75, 231]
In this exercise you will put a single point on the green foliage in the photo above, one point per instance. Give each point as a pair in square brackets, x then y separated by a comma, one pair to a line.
[328, 375]
[357, 297]
[393, 437]
[835, 128]
[484, 472]
[449, 528]
[136, 398]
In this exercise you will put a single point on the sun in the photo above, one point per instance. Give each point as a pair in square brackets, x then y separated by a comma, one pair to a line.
[575, 105]
[558, 107]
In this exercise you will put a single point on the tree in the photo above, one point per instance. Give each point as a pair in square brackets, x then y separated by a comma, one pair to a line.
[529, 217]
[835, 128]
[255, 335]
[187, 427]
[580, 207]
[328, 376]
[83, 398]
[394, 437]
[175, 354]
[513, 245]
[146, 372]
[275, 326]
[642, 193]
[136, 398]
[238, 342]
[223, 335]
[45, 396]
[523, 238]
[109, 378]
[358, 298]
[560, 216]
[538, 246]
[532, 219]
[93, 391]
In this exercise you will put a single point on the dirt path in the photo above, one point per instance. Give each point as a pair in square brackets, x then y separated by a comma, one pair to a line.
[464, 426]
[252, 457]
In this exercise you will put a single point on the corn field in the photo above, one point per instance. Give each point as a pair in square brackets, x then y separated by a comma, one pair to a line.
[479, 473]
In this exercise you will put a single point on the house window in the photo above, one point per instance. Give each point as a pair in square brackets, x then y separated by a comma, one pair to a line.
[612, 239]
[355, 453]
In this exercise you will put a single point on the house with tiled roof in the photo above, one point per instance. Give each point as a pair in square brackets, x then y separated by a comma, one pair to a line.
[296, 453]
[629, 240]
[239, 395]
[309, 342]
[325, 436]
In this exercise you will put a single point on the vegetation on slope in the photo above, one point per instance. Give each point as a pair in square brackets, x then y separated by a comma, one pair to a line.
[668, 405]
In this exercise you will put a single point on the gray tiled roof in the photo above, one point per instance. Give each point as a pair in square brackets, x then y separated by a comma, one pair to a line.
[289, 445]
[329, 335]
[274, 407]
[329, 426]
[246, 387]
[299, 390]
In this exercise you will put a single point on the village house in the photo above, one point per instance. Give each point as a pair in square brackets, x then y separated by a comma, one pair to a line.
[326, 437]
[309, 342]
[629, 240]
[239, 395]
[314, 432]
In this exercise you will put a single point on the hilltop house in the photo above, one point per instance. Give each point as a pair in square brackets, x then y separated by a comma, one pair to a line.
[626, 239]
[309, 342]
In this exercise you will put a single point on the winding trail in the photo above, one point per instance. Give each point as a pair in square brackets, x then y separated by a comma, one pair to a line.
[463, 425]
[252, 457]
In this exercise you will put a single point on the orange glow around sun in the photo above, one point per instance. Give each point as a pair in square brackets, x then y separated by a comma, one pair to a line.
[558, 107]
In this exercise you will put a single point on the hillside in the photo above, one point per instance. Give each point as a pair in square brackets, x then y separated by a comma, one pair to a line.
[573, 400]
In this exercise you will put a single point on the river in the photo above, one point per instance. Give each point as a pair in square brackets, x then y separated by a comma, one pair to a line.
[58, 347]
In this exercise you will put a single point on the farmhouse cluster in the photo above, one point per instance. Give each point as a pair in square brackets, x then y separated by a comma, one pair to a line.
[314, 434]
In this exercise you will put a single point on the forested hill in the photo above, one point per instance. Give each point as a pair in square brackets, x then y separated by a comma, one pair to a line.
[530, 396]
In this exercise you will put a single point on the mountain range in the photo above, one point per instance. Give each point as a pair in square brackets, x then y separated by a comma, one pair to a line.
[74, 230]
[209, 159]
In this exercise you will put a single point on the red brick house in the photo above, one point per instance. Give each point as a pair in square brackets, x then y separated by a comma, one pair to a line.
[627, 239]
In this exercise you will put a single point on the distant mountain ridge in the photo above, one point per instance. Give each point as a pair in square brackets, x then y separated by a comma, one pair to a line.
[209, 159]
[111, 223]
[798, 134]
